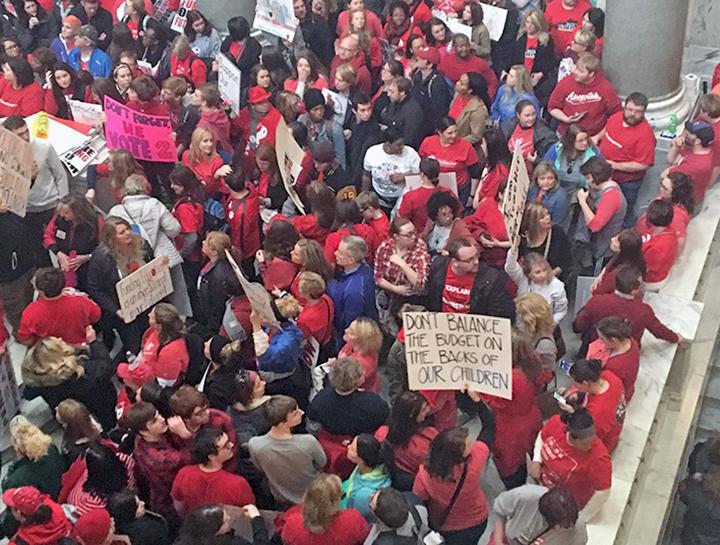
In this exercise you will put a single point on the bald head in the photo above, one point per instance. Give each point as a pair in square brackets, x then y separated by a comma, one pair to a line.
[348, 47]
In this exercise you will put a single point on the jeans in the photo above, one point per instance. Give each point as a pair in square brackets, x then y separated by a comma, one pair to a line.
[468, 536]
[631, 190]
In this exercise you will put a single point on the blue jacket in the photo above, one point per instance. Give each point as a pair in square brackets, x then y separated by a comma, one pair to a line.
[99, 65]
[354, 296]
[503, 107]
[556, 200]
[283, 352]
[58, 47]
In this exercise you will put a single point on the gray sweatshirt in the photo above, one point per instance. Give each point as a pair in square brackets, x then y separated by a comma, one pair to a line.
[51, 183]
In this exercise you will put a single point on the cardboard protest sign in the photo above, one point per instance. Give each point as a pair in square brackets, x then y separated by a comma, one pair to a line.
[446, 179]
[16, 160]
[229, 81]
[140, 290]
[256, 293]
[289, 157]
[513, 205]
[494, 19]
[180, 19]
[85, 113]
[276, 17]
[445, 351]
[146, 137]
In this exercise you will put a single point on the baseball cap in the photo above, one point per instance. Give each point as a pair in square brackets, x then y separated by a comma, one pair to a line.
[72, 20]
[89, 32]
[25, 499]
[257, 95]
[702, 130]
[429, 54]
[137, 374]
[93, 527]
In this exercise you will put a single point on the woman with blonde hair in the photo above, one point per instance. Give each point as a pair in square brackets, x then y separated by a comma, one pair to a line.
[344, 85]
[119, 166]
[534, 319]
[37, 461]
[545, 188]
[59, 371]
[363, 340]
[212, 294]
[80, 429]
[120, 253]
[583, 42]
[534, 49]
[320, 520]
[204, 160]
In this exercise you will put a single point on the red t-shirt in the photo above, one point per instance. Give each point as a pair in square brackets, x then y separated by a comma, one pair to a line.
[660, 251]
[167, 362]
[452, 67]
[25, 101]
[624, 366]
[194, 487]
[307, 226]
[564, 22]
[243, 217]
[414, 205]
[608, 411]
[679, 224]
[369, 363]
[456, 157]
[190, 216]
[151, 107]
[523, 137]
[381, 226]
[458, 105]
[699, 168]
[609, 204]
[361, 230]
[40, 319]
[624, 143]
[316, 320]
[278, 273]
[580, 472]
[490, 182]
[348, 527]
[530, 52]
[456, 292]
[410, 457]
[471, 507]
[205, 172]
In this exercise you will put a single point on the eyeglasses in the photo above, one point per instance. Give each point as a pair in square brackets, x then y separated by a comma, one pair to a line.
[408, 235]
[200, 411]
[472, 259]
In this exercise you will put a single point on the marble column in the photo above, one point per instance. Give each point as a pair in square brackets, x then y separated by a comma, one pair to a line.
[219, 11]
[644, 43]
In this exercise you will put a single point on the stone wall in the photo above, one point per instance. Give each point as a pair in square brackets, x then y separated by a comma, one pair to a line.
[219, 11]
[702, 23]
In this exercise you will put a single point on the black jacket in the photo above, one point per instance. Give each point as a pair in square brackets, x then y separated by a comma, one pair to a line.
[41, 35]
[16, 254]
[148, 530]
[488, 296]
[544, 62]
[543, 136]
[319, 37]
[408, 117]
[249, 58]
[364, 135]
[212, 295]
[433, 96]
[102, 21]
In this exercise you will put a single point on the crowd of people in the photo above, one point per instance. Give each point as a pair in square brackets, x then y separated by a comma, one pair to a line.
[202, 410]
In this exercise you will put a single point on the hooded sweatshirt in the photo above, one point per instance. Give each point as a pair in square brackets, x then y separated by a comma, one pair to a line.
[596, 98]
[359, 488]
[49, 533]
[217, 122]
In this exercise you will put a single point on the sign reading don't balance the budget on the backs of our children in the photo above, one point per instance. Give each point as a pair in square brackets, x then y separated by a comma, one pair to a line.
[446, 351]
[146, 137]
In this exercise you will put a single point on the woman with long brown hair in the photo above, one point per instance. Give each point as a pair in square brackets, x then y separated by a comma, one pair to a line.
[120, 253]
[163, 345]
[539, 234]
[119, 166]
[270, 185]
[627, 246]
[80, 429]
[318, 224]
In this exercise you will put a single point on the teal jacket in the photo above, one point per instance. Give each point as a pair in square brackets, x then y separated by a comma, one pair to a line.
[358, 489]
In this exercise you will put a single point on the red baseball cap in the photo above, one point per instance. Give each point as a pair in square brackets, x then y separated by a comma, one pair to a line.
[93, 527]
[257, 95]
[25, 499]
[137, 374]
[429, 54]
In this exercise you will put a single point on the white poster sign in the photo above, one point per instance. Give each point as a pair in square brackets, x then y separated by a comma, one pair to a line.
[446, 351]
[140, 290]
[276, 17]
[229, 82]
[340, 103]
[180, 19]
[513, 205]
[86, 113]
[289, 157]
[494, 19]
[256, 293]
[80, 157]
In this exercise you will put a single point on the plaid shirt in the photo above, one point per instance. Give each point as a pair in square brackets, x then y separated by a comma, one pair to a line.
[418, 259]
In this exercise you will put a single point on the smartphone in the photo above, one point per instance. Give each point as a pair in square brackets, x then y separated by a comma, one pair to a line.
[559, 398]
[566, 366]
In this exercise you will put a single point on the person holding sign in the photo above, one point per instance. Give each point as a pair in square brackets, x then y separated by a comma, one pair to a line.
[414, 203]
[66, 84]
[241, 48]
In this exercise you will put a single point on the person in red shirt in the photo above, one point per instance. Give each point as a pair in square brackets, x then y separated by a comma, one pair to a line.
[627, 247]
[676, 188]
[349, 52]
[453, 455]
[709, 111]
[205, 162]
[618, 351]
[212, 116]
[373, 24]
[565, 17]
[40, 318]
[453, 155]
[144, 97]
[586, 98]
[19, 93]
[257, 124]
[569, 453]
[624, 302]
[660, 244]
[373, 215]
[183, 62]
[363, 340]
[692, 154]
[463, 60]
[163, 346]
[601, 393]
[316, 318]
[497, 165]
[319, 520]
[207, 482]
[414, 203]
[242, 211]
[318, 223]
[349, 222]
[628, 144]
[276, 268]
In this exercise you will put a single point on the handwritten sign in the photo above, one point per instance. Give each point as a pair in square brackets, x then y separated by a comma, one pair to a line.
[289, 157]
[88, 114]
[146, 137]
[445, 351]
[513, 205]
[446, 179]
[276, 17]
[140, 290]
[16, 159]
[256, 293]
[229, 82]
[180, 19]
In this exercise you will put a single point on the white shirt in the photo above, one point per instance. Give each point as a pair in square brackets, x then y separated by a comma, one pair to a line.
[381, 165]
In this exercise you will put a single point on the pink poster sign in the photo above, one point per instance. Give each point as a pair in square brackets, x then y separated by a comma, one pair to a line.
[146, 137]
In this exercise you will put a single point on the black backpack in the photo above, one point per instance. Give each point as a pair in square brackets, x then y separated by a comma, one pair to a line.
[390, 537]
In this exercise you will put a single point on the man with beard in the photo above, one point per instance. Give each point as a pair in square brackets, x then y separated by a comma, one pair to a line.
[628, 144]
[691, 154]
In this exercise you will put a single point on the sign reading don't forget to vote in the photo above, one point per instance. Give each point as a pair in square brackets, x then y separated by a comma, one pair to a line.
[446, 351]
[146, 137]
